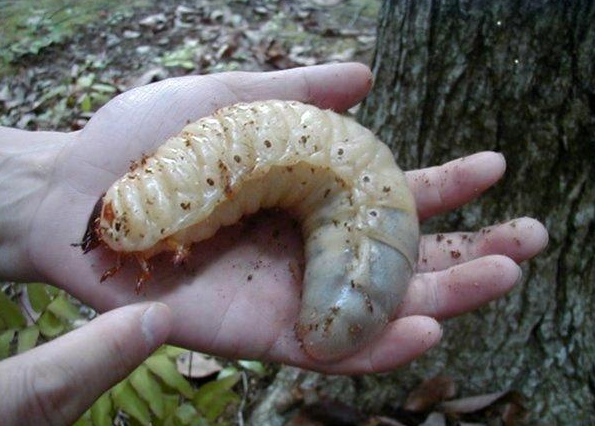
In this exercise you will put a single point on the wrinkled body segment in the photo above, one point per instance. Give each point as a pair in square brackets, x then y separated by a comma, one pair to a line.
[357, 215]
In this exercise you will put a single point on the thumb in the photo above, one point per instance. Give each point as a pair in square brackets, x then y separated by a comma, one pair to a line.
[56, 382]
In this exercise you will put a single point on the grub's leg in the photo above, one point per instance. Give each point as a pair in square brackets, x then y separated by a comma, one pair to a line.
[144, 275]
[181, 251]
[112, 271]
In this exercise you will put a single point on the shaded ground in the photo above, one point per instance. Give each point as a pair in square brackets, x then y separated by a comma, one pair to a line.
[71, 57]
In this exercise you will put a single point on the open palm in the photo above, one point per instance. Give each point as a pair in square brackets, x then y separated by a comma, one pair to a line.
[238, 294]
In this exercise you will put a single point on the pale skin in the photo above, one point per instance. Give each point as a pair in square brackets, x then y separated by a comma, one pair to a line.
[238, 294]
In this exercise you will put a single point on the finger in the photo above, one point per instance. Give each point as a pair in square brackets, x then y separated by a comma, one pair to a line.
[461, 288]
[334, 86]
[56, 382]
[442, 188]
[403, 341]
[159, 110]
[520, 239]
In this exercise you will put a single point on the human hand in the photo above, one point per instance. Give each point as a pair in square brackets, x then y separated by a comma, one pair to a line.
[239, 294]
[57, 382]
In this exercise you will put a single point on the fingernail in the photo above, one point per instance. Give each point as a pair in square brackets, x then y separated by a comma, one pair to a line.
[520, 277]
[156, 324]
[440, 333]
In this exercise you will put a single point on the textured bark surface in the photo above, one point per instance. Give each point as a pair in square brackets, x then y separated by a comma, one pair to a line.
[456, 77]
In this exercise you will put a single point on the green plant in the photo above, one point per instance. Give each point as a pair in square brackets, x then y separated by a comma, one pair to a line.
[30, 26]
[69, 103]
[155, 393]
[88, 93]
[183, 57]
[20, 329]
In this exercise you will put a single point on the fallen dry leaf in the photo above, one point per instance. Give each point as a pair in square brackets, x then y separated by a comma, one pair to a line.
[196, 365]
[429, 393]
[345, 55]
[472, 403]
[156, 22]
[383, 421]
[149, 76]
[514, 413]
[331, 412]
[435, 419]
[302, 420]
[327, 2]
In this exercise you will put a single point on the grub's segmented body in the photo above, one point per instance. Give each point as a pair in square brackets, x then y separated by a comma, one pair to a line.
[357, 214]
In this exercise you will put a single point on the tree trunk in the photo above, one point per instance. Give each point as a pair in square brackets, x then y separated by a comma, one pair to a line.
[456, 77]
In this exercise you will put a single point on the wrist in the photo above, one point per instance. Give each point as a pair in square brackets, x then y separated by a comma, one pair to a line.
[27, 162]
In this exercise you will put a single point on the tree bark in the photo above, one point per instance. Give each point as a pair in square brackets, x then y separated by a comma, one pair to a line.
[457, 77]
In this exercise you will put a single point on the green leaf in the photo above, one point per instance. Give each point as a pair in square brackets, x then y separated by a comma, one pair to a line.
[11, 313]
[173, 351]
[38, 296]
[217, 406]
[85, 102]
[104, 88]
[226, 372]
[189, 65]
[5, 339]
[101, 411]
[186, 413]
[98, 98]
[126, 399]
[2, 325]
[85, 80]
[51, 93]
[165, 368]
[50, 325]
[173, 420]
[85, 420]
[37, 45]
[63, 308]
[27, 338]
[170, 404]
[212, 398]
[169, 421]
[254, 366]
[201, 421]
[149, 389]
[52, 291]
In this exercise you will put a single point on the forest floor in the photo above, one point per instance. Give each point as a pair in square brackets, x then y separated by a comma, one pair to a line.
[61, 62]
